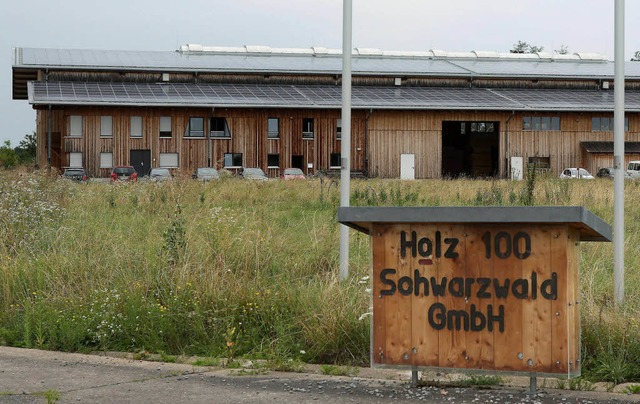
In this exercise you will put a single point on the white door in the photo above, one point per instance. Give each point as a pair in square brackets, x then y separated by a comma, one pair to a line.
[407, 167]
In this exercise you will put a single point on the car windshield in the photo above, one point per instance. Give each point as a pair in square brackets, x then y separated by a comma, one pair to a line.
[253, 172]
[293, 171]
[583, 173]
[123, 170]
[206, 171]
[74, 172]
[161, 172]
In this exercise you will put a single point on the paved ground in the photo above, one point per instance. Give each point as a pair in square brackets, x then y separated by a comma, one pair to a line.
[32, 376]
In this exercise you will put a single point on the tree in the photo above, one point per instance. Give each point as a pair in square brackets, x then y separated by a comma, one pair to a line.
[636, 57]
[8, 157]
[564, 49]
[523, 47]
[26, 150]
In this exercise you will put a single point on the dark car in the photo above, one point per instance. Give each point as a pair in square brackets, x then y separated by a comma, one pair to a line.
[608, 172]
[124, 173]
[75, 174]
[205, 174]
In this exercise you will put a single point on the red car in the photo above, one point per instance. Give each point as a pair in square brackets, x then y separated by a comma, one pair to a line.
[292, 174]
[124, 173]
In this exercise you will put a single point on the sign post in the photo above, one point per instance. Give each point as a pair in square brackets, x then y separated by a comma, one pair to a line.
[478, 288]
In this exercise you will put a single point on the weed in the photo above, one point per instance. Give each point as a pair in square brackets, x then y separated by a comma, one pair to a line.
[52, 396]
[580, 384]
[484, 380]
[167, 358]
[633, 389]
[206, 362]
[332, 370]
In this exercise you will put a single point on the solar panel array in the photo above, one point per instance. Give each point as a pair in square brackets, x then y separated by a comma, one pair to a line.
[326, 64]
[323, 96]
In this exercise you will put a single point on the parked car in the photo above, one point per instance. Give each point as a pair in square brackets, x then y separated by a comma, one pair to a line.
[253, 173]
[205, 174]
[124, 173]
[580, 173]
[607, 172]
[292, 174]
[160, 174]
[75, 174]
[633, 169]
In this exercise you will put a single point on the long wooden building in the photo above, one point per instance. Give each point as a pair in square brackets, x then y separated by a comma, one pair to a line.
[415, 114]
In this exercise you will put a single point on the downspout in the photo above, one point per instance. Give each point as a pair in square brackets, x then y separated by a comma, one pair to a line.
[213, 110]
[49, 123]
[506, 143]
[366, 142]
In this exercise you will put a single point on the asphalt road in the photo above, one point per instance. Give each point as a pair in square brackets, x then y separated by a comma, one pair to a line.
[32, 376]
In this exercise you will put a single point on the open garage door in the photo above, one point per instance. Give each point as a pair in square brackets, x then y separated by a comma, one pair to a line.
[470, 149]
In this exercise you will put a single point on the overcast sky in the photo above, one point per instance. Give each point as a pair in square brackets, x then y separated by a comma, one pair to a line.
[451, 25]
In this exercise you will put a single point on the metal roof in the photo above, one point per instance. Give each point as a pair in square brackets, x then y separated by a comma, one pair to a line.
[590, 226]
[607, 147]
[323, 96]
[316, 60]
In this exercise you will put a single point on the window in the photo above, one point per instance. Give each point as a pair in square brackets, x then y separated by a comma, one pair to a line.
[482, 127]
[106, 126]
[273, 128]
[106, 160]
[135, 126]
[273, 160]
[165, 126]
[218, 127]
[195, 127]
[540, 162]
[75, 126]
[338, 129]
[75, 159]
[233, 159]
[599, 124]
[307, 128]
[548, 123]
[169, 160]
[335, 160]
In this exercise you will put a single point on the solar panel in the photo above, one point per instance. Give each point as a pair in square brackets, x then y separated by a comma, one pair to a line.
[324, 96]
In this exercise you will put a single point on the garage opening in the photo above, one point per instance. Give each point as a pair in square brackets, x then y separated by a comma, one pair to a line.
[470, 149]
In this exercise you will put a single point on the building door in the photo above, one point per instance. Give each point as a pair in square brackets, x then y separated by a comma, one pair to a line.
[470, 149]
[141, 161]
[407, 167]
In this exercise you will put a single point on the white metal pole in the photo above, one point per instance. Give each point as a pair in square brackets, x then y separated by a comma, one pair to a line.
[618, 156]
[345, 150]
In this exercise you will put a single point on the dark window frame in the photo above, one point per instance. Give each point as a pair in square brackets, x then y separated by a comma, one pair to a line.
[332, 160]
[270, 133]
[543, 123]
[163, 133]
[605, 124]
[218, 128]
[234, 158]
[308, 129]
[270, 160]
[194, 133]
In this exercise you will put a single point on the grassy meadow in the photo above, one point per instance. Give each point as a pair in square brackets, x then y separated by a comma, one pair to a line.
[234, 269]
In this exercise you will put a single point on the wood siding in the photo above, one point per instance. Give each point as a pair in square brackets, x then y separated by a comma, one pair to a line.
[378, 138]
[248, 128]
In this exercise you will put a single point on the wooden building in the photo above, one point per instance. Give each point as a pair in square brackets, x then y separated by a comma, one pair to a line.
[415, 114]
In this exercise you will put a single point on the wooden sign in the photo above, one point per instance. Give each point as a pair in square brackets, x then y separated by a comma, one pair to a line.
[475, 295]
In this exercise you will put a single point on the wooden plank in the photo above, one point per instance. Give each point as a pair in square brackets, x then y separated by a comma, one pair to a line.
[480, 344]
[573, 303]
[379, 326]
[508, 353]
[425, 339]
[560, 344]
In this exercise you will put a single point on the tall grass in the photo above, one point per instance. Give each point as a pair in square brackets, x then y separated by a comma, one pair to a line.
[237, 268]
